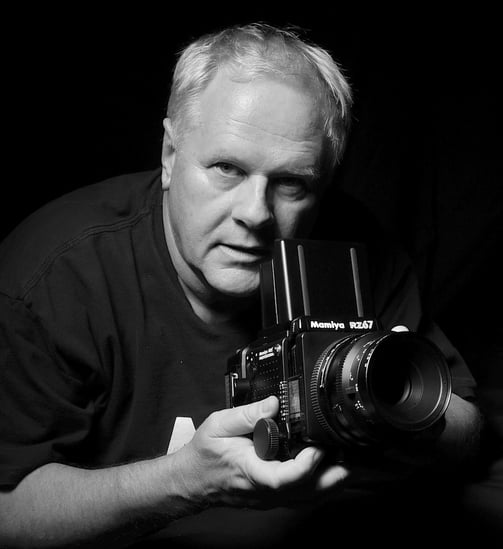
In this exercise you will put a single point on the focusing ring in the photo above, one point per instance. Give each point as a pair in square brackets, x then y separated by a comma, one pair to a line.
[315, 386]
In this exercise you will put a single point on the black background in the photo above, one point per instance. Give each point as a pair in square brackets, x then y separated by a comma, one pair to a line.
[87, 91]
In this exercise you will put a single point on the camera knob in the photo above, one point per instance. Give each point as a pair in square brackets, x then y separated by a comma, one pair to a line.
[266, 438]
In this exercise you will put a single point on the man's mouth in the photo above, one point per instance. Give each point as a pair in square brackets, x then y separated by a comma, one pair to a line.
[248, 254]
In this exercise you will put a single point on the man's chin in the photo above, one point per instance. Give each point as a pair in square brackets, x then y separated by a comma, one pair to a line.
[240, 293]
[235, 283]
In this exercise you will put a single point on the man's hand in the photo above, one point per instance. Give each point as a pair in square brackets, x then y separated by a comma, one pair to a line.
[221, 462]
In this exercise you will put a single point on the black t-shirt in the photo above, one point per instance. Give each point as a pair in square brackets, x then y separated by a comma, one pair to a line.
[100, 351]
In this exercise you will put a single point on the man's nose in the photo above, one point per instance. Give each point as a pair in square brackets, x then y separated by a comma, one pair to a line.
[252, 206]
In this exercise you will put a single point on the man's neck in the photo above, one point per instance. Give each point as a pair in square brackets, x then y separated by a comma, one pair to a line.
[217, 311]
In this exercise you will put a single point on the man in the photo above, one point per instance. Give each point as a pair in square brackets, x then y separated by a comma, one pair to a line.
[122, 301]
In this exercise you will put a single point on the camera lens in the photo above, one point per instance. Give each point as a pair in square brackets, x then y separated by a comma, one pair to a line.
[371, 387]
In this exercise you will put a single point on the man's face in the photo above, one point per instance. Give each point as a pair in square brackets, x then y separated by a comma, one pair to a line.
[245, 173]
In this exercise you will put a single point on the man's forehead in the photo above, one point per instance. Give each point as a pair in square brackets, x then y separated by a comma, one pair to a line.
[264, 100]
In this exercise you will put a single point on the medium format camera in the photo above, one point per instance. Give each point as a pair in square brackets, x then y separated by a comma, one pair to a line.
[341, 381]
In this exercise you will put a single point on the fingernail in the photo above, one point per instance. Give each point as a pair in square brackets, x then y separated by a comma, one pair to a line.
[316, 454]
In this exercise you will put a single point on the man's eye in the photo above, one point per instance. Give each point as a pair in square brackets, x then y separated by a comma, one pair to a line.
[226, 169]
[292, 185]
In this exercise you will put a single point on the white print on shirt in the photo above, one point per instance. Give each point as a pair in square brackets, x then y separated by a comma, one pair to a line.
[183, 431]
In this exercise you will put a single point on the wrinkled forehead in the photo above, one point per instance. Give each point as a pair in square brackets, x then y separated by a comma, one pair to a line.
[287, 100]
[264, 96]
[263, 91]
[261, 122]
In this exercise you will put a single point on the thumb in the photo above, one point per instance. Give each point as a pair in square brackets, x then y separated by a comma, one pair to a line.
[242, 419]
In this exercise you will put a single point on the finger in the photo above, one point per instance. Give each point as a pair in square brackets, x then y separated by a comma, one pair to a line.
[278, 474]
[331, 477]
[242, 419]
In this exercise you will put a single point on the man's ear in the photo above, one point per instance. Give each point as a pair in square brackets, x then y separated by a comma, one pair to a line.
[168, 154]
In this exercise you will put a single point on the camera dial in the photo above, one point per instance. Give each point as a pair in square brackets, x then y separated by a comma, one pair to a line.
[266, 438]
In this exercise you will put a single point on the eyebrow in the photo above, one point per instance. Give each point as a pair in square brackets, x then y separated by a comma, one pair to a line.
[311, 172]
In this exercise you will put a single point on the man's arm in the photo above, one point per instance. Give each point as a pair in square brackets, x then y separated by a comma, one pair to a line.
[57, 505]
[451, 444]
[458, 443]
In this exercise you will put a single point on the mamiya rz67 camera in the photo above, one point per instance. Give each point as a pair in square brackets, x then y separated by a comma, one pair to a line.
[341, 380]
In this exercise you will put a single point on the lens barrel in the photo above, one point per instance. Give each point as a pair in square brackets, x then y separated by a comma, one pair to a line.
[379, 386]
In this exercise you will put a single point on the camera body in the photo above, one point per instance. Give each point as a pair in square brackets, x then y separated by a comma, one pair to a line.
[341, 381]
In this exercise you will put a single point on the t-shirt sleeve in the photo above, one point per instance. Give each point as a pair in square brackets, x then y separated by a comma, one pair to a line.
[45, 409]
[397, 302]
